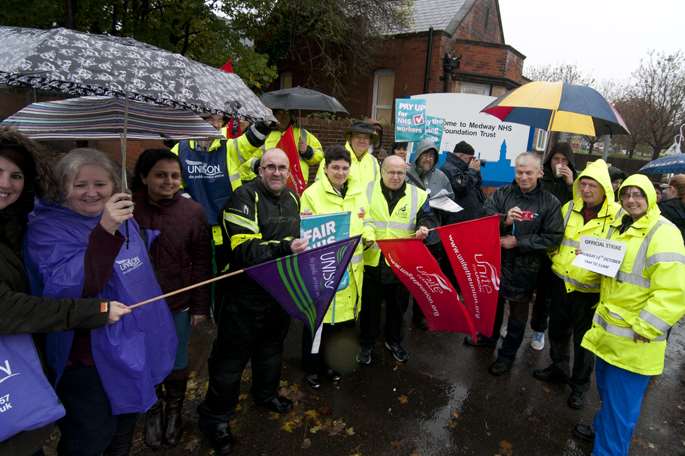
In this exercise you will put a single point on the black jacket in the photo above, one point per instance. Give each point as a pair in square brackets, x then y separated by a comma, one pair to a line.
[466, 185]
[260, 227]
[556, 185]
[674, 210]
[22, 313]
[534, 237]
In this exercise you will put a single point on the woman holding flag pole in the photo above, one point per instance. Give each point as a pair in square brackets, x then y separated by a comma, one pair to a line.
[334, 194]
[29, 404]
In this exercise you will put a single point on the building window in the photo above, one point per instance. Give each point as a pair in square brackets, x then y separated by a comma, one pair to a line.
[540, 140]
[472, 87]
[383, 96]
[286, 80]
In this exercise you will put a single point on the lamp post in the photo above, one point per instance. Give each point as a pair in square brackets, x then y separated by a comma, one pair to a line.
[450, 65]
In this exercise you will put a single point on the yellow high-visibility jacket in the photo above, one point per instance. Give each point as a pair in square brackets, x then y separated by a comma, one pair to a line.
[246, 167]
[321, 198]
[575, 278]
[365, 172]
[400, 224]
[646, 297]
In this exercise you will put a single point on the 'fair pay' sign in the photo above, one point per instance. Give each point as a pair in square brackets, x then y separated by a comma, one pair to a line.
[600, 255]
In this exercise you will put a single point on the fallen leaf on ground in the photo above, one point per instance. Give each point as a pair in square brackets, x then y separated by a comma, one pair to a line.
[403, 399]
[505, 448]
[306, 443]
[349, 431]
[396, 444]
[273, 416]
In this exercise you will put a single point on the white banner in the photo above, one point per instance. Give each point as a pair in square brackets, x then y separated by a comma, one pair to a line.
[600, 255]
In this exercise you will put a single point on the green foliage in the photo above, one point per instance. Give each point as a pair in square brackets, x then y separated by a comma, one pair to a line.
[188, 27]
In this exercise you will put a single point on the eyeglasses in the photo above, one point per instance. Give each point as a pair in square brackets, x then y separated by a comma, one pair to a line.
[625, 196]
[273, 168]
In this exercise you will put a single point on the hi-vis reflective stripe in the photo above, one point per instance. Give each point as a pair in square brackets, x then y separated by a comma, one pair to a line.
[579, 285]
[567, 217]
[234, 177]
[243, 222]
[617, 330]
[413, 208]
[237, 149]
[216, 235]
[357, 258]
[238, 239]
[665, 257]
[612, 228]
[370, 185]
[634, 277]
[655, 321]
[570, 243]
[392, 225]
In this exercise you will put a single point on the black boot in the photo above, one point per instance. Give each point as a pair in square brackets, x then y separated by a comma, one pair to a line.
[122, 440]
[175, 394]
[154, 422]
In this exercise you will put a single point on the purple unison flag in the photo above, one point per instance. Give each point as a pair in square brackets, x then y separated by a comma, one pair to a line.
[304, 284]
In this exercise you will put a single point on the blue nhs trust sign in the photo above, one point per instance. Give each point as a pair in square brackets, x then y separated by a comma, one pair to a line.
[496, 143]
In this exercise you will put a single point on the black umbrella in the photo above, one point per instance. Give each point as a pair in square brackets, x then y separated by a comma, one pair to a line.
[301, 99]
[77, 63]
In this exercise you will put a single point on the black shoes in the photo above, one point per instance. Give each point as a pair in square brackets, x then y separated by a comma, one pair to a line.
[584, 432]
[364, 356]
[398, 352]
[551, 374]
[278, 404]
[153, 427]
[500, 367]
[482, 341]
[576, 400]
[220, 438]
[313, 381]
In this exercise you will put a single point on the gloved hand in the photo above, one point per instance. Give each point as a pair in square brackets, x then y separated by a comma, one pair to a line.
[308, 153]
[258, 132]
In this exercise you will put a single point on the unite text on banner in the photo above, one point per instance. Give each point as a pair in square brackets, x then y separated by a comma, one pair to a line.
[417, 269]
[474, 252]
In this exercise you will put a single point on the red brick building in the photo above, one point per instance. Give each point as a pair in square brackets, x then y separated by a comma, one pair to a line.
[423, 57]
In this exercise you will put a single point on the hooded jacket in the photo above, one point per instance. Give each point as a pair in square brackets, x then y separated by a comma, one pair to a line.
[556, 185]
[647, 296]
[674, 210]
[574, 277]
[466, 185]
[534, 237]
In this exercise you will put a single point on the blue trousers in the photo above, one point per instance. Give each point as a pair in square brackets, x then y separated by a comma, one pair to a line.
[621, 393]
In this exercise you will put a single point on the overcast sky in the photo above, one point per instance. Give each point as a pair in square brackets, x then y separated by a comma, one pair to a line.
[605, 38]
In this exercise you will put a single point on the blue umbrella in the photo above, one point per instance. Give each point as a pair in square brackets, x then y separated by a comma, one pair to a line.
[670, 164]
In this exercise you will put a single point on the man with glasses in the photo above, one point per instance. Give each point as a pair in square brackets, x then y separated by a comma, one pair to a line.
[397, 210]
[261, 220]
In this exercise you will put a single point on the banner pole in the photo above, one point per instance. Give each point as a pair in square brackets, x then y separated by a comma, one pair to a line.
[184, 289]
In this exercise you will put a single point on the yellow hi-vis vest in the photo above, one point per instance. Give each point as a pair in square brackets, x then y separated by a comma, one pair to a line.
[400, 224]
[646, 297]
[246, 166]
[321, 198]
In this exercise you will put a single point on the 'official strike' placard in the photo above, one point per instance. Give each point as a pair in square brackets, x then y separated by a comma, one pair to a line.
[600, 255]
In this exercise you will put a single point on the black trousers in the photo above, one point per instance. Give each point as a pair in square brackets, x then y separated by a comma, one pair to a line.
[89, 428]
[516, 326]
[244, 334]
[396, 297]
[571, 316]
[314, 363]
[540, 313]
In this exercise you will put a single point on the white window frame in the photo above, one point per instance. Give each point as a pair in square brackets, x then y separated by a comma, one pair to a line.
[540, 143]
[374, 105]
[475, 88]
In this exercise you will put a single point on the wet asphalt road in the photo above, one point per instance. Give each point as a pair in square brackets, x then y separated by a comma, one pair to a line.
[442, 402]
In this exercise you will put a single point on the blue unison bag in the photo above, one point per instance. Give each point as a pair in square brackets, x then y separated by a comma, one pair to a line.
[27, 401]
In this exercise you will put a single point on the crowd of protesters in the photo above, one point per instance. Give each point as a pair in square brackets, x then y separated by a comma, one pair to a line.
[75, 246]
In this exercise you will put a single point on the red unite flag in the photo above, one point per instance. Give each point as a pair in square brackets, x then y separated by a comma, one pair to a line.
[296, 181]
[417, 269]
[474, 252]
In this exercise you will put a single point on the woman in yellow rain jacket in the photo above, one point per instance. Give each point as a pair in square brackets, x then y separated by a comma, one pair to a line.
[335, 193]
[635, 311]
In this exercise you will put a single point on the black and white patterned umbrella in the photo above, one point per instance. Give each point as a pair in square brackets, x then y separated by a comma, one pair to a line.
[77, 63]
